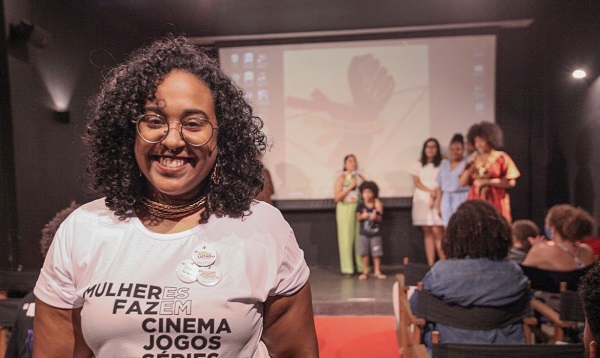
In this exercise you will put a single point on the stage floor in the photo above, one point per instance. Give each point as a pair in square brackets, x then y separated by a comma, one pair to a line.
[334, 294]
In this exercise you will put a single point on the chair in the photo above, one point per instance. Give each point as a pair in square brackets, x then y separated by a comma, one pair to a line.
[408, 327]
[433, 309]
[413, 273]
[13, 285]
[564, 284]
[461, 350]
[570, 312]
[550, 281]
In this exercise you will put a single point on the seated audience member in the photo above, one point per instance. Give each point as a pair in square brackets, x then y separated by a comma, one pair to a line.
[21, 339]
[476, 273]
[522, 230]
[589, 290]
[565, 225]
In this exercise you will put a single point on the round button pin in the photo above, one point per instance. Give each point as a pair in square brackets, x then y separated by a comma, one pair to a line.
[187, 271]
[209, 276]
[204, 255]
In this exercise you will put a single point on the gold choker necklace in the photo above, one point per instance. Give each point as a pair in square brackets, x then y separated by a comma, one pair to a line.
[165, 211]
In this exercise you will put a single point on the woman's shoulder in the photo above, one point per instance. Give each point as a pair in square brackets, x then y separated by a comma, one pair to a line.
[588, 255]
[92, 211]
[260, 216]
[444, 164]
[541, 251]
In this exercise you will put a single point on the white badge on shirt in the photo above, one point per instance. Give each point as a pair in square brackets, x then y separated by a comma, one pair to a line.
[209, 276]
[204, 255]
[187, 271]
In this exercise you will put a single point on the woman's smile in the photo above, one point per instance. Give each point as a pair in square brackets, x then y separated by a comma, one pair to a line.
[172, 162]
[173, 167]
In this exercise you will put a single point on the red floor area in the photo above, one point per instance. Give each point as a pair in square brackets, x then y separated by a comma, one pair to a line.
[357, 336]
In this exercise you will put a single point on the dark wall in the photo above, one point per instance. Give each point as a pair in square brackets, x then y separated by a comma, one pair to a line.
[49, 156]
[8, 197]
[551, 122]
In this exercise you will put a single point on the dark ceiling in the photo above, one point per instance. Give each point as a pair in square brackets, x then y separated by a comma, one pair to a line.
[209, 18]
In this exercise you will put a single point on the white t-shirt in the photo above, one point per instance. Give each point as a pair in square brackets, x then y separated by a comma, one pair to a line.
[134, 303]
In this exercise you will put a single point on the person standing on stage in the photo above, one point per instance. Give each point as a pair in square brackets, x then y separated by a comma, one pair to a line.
[448, 178]
[425, 199]
[489, 171]
[369, 213]
[346, 196]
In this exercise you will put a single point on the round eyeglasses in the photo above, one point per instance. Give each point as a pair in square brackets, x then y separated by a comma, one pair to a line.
[154, 128]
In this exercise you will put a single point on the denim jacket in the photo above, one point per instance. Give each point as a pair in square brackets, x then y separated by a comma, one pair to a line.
[478, 282]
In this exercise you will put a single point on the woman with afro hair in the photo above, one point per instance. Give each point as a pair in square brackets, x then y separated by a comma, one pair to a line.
[178, 258]
[489, 172]
[476, 274]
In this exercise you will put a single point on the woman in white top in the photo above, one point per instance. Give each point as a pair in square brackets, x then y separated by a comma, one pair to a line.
[178, 258]
[425, 199]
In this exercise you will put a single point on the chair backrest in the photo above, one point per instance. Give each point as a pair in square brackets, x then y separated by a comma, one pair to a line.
[413, 272]
[549, 281]
[459, 350]
[436, 310]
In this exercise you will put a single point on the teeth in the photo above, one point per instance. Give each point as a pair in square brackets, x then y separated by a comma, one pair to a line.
[171, 163]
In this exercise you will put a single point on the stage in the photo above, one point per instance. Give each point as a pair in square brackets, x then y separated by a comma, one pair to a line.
[337, 295]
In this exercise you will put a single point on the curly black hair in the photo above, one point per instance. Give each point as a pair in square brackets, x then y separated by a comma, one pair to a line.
[52, 226]
[589, 291]
[438, 157]
[369, 185]
[573, 224]
[490, 132]
[477, 230]
[111, 133]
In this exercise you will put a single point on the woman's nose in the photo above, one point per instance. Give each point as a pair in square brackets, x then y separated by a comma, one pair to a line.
[173, 139]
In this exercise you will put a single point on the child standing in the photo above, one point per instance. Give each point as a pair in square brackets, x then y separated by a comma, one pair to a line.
[369, 213]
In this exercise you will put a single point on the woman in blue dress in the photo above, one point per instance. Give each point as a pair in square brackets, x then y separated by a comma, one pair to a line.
[453, 194]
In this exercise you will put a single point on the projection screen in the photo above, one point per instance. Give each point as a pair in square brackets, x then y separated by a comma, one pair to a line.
[379, 100]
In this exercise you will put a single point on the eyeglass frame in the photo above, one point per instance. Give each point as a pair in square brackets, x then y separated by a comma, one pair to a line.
[137, 129]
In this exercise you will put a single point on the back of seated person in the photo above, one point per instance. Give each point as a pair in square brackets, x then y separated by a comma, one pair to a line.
[522, 230]
[565, 225]
[476, 273]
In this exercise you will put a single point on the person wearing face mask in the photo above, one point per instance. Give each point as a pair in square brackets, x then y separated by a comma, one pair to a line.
[178, 258]
[564, 227]
[489, 172]
[448, 178]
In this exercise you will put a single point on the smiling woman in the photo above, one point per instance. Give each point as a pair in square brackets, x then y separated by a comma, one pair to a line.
[176, 152]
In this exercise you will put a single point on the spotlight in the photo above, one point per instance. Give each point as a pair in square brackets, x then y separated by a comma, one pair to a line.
[579, 74]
